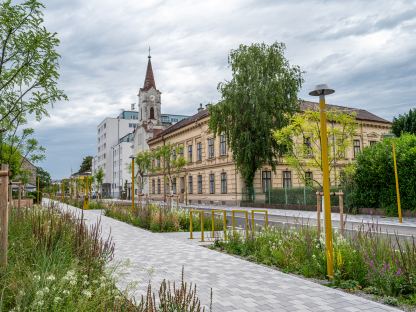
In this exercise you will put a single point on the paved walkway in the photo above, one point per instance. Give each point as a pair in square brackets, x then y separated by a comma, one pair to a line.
[237, 285]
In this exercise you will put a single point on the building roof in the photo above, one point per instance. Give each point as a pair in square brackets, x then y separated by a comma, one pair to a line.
[149, 80]
[362, 114]
[304, 105]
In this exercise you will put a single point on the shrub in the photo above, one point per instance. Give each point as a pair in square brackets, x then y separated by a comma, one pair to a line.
[372, 182]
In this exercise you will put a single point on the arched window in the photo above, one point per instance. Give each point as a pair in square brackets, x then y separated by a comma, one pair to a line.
[152, 113]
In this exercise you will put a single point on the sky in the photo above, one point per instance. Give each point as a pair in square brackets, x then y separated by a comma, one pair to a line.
[365, 50]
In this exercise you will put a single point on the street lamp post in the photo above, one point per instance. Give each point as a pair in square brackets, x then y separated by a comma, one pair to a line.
[132, 183]
[396, 175]
[321, 91]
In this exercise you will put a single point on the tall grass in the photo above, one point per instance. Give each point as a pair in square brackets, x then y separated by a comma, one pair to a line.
[57, 263]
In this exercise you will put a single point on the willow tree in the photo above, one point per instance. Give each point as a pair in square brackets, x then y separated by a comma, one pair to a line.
[260, 97]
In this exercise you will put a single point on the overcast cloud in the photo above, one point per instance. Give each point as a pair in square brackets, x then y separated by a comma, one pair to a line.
[364, 49]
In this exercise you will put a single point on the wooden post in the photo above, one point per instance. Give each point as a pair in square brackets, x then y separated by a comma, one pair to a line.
[318, 212]
[19, 196]
[4, 213]
[341, 211]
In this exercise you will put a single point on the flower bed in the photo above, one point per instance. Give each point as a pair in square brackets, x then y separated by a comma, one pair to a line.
[365, 261]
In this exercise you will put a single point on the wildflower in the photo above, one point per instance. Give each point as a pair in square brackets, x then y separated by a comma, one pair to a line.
[36, 277]
[39, 303]
[399, 272]
[46, 290]
[51, 278]
[87, 293]
[314, 256]
[57, 299]
[85, 283]
[65, 292]
[73, 282]
[39, 293]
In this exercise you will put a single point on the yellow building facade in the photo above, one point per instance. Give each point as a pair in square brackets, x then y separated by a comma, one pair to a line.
[210, 175]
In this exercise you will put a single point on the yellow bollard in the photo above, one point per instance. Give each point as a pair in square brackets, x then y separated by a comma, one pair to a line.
[266, 218]
[399, 208]
[233, 220]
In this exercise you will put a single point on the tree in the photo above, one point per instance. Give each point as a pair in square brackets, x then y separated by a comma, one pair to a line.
[44, 178]
[405, 123]
[86, 164]
[99, 178]
[302, 139]
[143, 166]
[15, 149]
[171, 163]
[261, 96]
[28, 65]
[371, 179]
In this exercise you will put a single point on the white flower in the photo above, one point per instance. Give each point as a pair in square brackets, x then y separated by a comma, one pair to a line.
[85, 283]
[57, 299]
[102, 285]
[36, 277]
[65, 292]
[87, 293]
[73, 282]
[39, 303]
[46, 290]
[51, 278]
[39, 293]
[313, 256]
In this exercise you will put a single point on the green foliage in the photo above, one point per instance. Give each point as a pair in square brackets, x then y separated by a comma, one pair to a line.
[44, 178]
[28, 65]
[143, 166]
[11, 157]
[372, 180]
[86, 164]
[303, 142]
[99, 178]
[261, 96]
[405, 123]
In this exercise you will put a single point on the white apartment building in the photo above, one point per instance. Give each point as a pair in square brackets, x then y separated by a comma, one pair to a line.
[109, 133]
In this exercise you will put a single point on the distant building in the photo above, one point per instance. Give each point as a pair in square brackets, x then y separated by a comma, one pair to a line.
[211, 176]
[126, 135]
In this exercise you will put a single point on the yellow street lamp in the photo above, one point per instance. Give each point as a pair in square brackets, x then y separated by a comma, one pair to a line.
[396, 175]
[321, 91]
[132, 183]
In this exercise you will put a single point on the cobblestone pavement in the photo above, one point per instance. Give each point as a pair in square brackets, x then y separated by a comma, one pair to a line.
[237, 285]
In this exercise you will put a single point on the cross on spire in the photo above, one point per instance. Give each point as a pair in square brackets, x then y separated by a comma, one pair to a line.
[149, 53]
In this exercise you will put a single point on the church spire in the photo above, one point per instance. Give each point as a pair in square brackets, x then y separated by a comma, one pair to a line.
[149, 80]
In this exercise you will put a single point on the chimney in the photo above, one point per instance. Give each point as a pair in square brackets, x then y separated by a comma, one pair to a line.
[200, 108]
[132, 106]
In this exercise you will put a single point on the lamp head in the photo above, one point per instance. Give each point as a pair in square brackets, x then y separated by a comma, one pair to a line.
[321, 89]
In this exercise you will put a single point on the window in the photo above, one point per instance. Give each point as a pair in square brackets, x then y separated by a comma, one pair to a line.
[158, 162]
[308, 178]
[182, 184]
[223, 183]
[200, 184]
[153, 186]
[190, 153]
[190, 185]
[287, 179]
[152, 113]
[210, 148]
[211, 183]
[158, 186]
[373, 143]
[174, 154]
[174, 186]
[199, 151]
[223, 145]
[307, 145]
[181, 151]
[357, 148]
[266, 177]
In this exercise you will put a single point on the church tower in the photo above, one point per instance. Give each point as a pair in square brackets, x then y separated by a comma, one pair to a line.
[149, 99]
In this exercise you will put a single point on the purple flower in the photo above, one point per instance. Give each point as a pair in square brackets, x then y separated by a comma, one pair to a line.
[399, 272]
